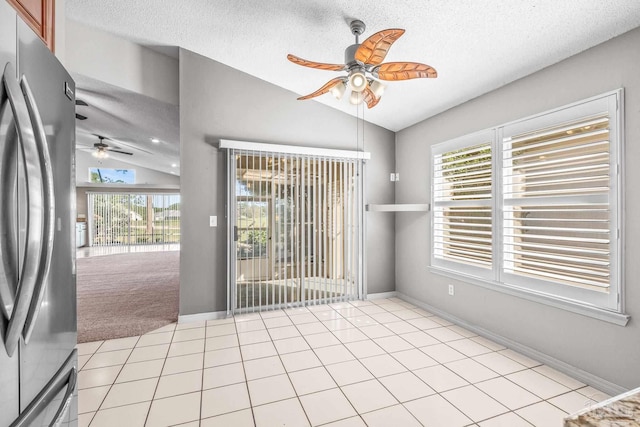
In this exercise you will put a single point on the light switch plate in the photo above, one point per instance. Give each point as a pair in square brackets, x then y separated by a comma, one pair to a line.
[213, 221]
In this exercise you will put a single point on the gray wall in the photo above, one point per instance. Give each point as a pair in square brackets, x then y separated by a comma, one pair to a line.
[60, 40]
[119, 62]
[218, 102]
[603, 349]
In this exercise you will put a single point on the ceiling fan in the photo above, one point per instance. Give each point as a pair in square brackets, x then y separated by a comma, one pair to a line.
[364, 65]
[81, 103]
[102, 149]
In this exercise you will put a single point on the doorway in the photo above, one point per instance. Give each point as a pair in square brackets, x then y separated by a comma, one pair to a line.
[296, 223]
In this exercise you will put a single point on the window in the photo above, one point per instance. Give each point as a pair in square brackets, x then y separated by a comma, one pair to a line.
[462, 204]
[126, 219]
[533, 205]
[112, 176]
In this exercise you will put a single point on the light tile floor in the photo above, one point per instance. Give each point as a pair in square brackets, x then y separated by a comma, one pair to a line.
[364, 363]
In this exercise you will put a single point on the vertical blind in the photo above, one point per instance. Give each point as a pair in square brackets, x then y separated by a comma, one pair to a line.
[124, 219]
[462, 189]
[556, 214]
[297, 233]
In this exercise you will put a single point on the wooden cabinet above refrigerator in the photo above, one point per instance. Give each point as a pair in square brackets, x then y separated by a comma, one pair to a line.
[40, 16]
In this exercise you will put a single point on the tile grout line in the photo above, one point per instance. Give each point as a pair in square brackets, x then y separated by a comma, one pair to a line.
[244, 370]
[287, 372]
[357, 359]
[114, 381]
[289, 313]
[402, 404]
[202, 377]
[146, 420]
[418, 348]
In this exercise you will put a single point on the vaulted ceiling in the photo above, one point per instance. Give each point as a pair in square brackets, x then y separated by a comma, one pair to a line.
[145, 127]
[476, 46]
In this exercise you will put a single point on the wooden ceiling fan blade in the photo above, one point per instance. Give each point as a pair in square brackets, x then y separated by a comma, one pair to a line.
[317, 65]
[370, 98]
[404, 71]
[324, 89]
[374, 49]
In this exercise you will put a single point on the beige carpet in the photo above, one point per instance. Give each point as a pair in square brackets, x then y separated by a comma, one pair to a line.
[127, 294]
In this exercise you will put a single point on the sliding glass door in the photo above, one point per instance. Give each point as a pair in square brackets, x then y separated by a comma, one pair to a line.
[126, 219]
[296, 227]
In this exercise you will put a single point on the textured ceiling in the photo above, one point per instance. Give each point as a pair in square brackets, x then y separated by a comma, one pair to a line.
[128, 119]
[476, 46]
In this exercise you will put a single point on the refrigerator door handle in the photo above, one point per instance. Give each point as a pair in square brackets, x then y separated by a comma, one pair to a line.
[66, 399]
[8, 220]
[66, 375]
[48, 204]
[35, 217]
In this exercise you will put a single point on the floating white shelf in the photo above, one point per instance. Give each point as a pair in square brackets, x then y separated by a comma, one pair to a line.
[403, 207]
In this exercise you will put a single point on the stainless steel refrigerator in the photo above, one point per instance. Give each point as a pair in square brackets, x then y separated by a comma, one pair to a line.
[38, 330]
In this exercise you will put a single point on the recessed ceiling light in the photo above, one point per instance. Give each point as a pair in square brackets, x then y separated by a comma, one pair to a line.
[155, 140]
[173, 165]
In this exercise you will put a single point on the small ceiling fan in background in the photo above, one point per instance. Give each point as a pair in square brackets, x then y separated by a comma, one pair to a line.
[364, 65]
[81, 103]
[102, 149]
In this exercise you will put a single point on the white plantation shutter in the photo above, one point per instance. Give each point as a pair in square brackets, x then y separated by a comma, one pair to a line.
[537, 210]
[559, 197]
[462, 204]
[556, 215]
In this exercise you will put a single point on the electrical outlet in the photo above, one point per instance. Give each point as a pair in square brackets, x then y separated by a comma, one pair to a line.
[397, 177]
[451, 290]
[392, 177]
[213, 221]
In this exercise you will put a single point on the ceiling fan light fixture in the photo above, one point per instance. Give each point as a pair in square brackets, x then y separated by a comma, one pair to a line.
[358, 81]
[100, 154]
[377, 88]
[338, 90]
[356, 98]
[364, 62]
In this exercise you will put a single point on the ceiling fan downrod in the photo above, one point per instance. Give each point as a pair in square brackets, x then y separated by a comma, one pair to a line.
[357, 29]
[364, 64]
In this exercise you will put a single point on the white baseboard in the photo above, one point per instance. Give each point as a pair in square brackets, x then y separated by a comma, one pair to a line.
[584, 376]
[382, 295]
[199, 317]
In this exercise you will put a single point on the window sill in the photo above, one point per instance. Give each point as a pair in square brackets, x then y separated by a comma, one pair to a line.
[399, 207]
[574, 307]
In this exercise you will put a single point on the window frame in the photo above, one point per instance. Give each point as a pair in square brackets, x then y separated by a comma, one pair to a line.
[605, 306]
[477, 138]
